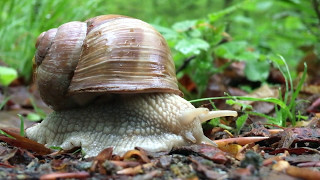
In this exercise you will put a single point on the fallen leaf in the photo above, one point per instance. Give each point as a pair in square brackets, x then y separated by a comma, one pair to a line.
[56, 175]
[140, 155]
[125, 164]
[297, 151]
[206, 151]
[281, 165]
[135, 170]
[231, 148]
[239, 140]
[271, 160]
[309, 164]
[24, 143]
[104, 155]
[303, 173]
[209, 174]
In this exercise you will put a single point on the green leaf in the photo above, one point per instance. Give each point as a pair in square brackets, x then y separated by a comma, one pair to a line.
[7, 75]
[4, 102]
[184, 25]
[34, 117]
[240, 122]
[166, 32]
[230, 50]
[56, 148]
[257, 70]
[242, 105]
[218, 15]
[21, 125]
[191, 46]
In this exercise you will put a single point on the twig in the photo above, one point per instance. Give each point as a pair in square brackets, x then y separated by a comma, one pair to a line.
[185, 63]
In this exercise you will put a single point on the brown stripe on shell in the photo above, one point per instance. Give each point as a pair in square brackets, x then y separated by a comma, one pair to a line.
[124, 55]
[96, 21]
[56, 70]
[43, 44]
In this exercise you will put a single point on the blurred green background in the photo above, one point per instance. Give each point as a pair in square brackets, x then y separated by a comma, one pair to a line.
[255, 31]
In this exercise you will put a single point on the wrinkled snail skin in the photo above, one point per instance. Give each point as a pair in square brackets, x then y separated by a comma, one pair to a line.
[111, 83]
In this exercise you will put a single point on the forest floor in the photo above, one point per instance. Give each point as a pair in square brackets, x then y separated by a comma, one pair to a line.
[259, 151]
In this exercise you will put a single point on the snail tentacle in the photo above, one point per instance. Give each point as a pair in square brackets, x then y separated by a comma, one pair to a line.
[215, 114]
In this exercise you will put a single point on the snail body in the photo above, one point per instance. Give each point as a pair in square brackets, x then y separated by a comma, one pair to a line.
[111, 82]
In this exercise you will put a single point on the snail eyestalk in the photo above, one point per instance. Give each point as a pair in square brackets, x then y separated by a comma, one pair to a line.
[216, 114]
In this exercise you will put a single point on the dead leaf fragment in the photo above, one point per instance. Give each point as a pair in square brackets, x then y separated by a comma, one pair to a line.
[239, 140]
[24, 143]
[104, 155]
[206, 151]
[56, 175]
[135, 170]
[303, 173]
[136, 154]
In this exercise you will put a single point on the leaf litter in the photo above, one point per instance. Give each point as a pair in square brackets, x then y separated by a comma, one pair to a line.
[258, 151]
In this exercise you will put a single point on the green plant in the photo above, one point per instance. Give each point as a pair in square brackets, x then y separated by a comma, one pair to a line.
[285, 107]
[7, 75]
[21, 125]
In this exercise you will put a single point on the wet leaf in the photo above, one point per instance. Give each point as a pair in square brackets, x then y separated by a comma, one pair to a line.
[24, 143]
[7, 75]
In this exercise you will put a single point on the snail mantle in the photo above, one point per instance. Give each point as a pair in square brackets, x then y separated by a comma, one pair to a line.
[111, 83]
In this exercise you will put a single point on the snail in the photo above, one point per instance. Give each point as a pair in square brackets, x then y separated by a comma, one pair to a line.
[111, 83]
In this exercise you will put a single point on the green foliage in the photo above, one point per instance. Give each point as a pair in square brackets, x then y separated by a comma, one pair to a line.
[7, 75]
[285, 107]
[4, 102]
[22, 21]
[198, 32]
[39, 113]
[3, 133]
[258, 29]
[240, 122]
[21, 125]
[34, 117]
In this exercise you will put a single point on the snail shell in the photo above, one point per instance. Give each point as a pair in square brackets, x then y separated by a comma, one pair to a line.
[107, 54]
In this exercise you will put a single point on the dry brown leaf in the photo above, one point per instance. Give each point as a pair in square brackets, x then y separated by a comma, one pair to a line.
[281, 165]
[24, 143]
[104, 155]
[131, 170]
[303, 173]
[275, 131]
[136, 154]
[240, 140]
[125, 164]
[231, 148]
[135, 170]
[271, 160]
[56, 175]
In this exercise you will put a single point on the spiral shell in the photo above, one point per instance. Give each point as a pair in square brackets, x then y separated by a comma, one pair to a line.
[106, 54]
